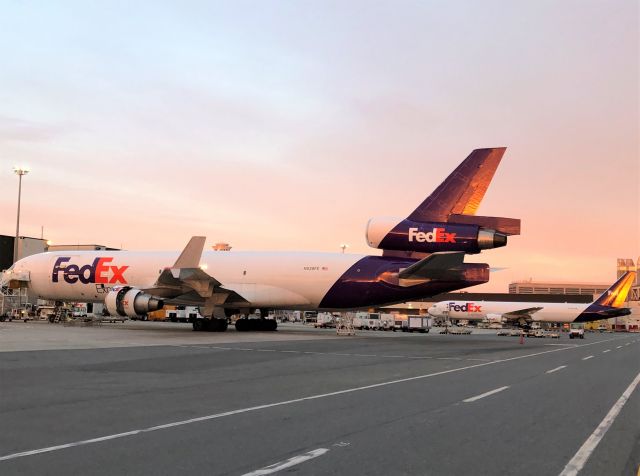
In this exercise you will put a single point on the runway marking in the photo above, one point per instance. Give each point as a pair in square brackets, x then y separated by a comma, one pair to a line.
[342, 354]
[587, 357]
[486, 394]
[619, 347]
[278, 404]
[580, 458]
[274, 468]
[556, 369]
[605, 351]
[572, 345]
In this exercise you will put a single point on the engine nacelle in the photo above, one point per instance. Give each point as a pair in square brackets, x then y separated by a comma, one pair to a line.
[491, 318]
[400, 234]
[131, 302]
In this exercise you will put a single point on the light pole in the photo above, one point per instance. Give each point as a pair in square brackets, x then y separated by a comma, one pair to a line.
[344, 247]
[19, 171]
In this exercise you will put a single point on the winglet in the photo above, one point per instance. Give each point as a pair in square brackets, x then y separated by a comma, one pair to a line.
[192, 253]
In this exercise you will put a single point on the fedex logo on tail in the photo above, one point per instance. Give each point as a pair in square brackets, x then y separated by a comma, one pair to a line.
[99, 272]
[466, 307]
[437, 235]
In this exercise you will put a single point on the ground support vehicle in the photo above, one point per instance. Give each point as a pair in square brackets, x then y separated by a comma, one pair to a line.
[418, 324]
[576, 333]
[367, 321]
[325, 320]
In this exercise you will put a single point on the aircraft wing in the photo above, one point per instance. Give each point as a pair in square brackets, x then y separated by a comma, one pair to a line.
[185, 282]
[526, 314]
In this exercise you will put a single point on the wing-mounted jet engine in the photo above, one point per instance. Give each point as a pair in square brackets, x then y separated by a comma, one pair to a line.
[446, 220]
[131, 302]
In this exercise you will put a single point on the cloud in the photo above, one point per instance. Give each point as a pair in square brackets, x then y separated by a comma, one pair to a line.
[13, 129]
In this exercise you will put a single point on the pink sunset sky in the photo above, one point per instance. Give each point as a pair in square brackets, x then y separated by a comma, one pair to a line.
[287, 125]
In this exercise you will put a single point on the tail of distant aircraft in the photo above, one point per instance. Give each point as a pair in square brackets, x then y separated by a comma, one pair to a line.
[446, 220]
[611, 302]
[617, 294]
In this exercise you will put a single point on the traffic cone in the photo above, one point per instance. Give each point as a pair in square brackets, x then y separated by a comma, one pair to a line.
[522, 337]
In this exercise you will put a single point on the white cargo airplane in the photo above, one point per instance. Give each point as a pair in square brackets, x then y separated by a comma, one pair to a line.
[423, 256]
[609, 304]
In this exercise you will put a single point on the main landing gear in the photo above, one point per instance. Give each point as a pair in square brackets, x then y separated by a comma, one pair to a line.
[244, 324]
[211, 325]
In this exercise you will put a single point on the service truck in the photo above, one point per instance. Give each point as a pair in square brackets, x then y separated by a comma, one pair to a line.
[325, 320]
[375, 321]
[416, 323]
[576, 332]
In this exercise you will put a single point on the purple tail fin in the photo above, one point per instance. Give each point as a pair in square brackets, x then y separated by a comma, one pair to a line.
[463, 190]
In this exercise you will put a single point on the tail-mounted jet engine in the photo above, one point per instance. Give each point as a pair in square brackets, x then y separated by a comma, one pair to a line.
[429, 237]
[131, 302]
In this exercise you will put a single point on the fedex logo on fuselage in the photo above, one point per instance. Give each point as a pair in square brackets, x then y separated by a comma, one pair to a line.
[466, 307]
[437, 235]
[99, 272]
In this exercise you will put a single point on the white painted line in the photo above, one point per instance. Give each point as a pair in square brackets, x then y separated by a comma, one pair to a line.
[556, 369]
[627, 344]
[580, 458]
[619, 347]
[587, 357]
[278, 404]
[274, 468]
[486, 394]
[605, 351]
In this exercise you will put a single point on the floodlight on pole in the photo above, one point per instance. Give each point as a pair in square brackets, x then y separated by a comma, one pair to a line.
[19, 171]
[344, 246]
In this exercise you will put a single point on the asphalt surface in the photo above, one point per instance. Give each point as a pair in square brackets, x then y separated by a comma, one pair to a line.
[311, 403]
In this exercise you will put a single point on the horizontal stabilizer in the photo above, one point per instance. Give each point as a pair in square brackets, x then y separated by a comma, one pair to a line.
[435, 266]
[506, 226]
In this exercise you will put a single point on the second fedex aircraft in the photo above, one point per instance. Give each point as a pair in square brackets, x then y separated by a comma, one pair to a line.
[423, 255]
[609, 304]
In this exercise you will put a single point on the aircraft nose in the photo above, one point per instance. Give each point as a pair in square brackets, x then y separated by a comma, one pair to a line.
[433, 311]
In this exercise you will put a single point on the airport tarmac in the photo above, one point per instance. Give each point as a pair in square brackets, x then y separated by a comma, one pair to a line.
[157, 398]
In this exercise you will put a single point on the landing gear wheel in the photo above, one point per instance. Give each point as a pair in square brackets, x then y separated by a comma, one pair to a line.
[242, 325]
[272, 325]
[199, 325]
